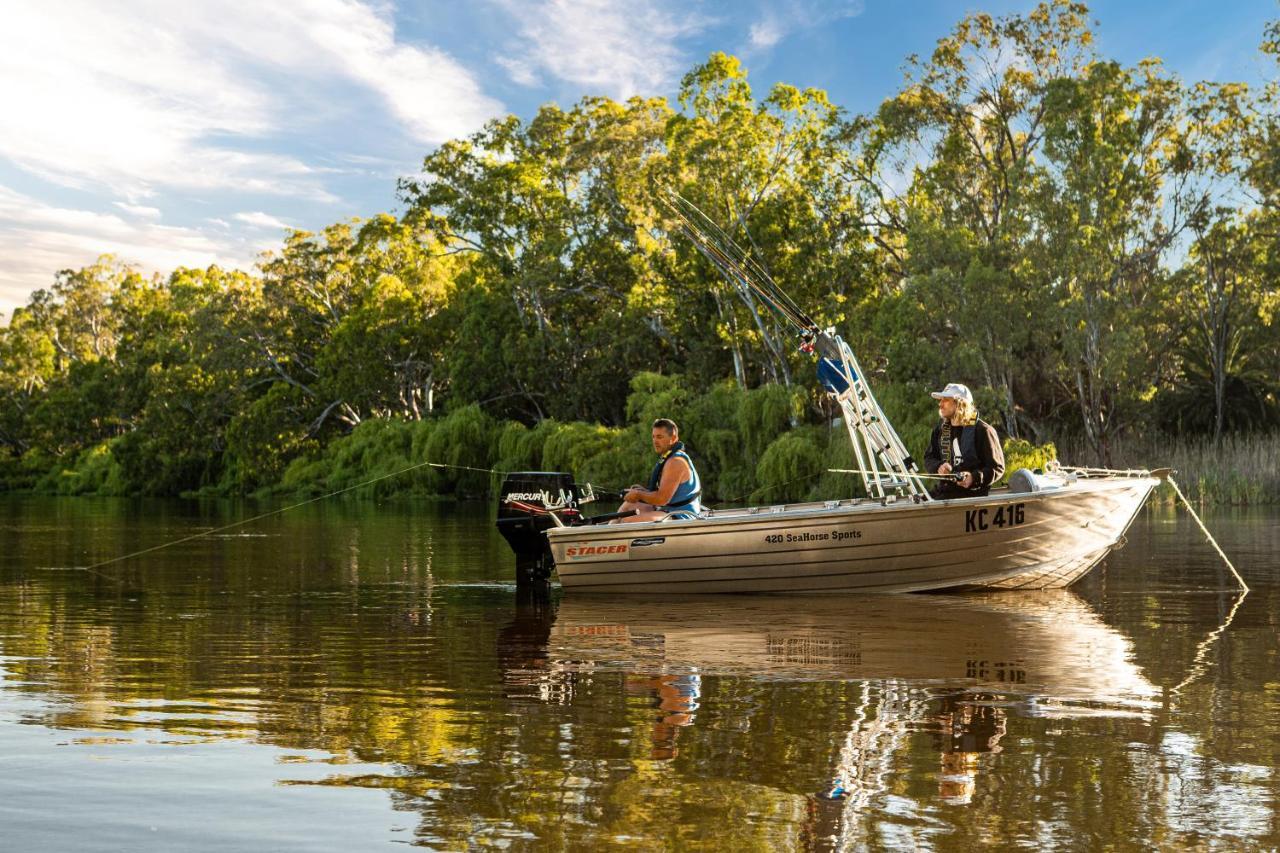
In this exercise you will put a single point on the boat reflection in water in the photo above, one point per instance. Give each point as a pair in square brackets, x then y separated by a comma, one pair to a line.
[1049, 645]
[951, 669]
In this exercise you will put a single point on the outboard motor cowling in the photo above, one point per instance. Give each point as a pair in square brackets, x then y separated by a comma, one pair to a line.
[529, 503]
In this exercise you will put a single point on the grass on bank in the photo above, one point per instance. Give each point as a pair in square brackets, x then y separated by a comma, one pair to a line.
[1240, 470]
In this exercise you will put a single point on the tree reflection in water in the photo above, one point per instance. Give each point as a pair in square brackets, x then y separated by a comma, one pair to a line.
[369, 654]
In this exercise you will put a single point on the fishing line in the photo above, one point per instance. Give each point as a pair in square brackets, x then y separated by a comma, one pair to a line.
[92, 569]
[779, 486]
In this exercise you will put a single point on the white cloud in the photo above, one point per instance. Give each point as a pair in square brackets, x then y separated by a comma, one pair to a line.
[519, 70]
[435, 96]
[797, 15]
[766, 33]
[138, 210]
[155, 95]
[258, 219]
[37, 240]
[604, 47]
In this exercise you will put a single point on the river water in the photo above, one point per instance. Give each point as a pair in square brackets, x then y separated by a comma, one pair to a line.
[351, 675]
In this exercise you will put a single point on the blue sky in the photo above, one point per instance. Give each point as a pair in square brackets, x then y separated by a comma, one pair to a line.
[178, 134]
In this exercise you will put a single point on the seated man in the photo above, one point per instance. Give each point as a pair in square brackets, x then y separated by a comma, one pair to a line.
[963, 444]
[674, 485]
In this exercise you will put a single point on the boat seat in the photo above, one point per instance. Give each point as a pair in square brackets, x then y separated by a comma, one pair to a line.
[680, 515]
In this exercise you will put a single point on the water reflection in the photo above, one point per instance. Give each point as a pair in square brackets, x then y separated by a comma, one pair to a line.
[386, 656]
[949, 666]
[1050, 647]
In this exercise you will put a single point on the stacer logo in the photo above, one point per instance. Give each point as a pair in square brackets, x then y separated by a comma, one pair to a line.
[597, 552]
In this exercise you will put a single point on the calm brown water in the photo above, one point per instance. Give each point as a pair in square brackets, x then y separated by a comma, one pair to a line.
[349, 676]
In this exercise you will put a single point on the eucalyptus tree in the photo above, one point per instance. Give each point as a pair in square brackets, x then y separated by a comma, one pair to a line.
[1125, 163]
[308, 288]
[385, 356]
[949, 172]
[340, 326]
[77, 310]
[761, 169]
[553, 318]
[27, 364]
[189, 377]
[1225, 286]
[62, 348]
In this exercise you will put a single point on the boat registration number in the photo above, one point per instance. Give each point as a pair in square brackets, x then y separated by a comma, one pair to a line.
[988, 517]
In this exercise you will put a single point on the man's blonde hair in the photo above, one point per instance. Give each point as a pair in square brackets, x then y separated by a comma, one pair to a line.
[966, 413]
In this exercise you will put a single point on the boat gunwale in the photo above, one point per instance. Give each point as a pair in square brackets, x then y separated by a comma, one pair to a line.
[822, 510]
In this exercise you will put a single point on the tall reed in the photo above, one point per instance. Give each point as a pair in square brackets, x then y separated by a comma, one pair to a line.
[1238, 470]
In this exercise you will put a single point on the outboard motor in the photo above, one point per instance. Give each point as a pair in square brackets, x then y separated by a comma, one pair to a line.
[525, 506]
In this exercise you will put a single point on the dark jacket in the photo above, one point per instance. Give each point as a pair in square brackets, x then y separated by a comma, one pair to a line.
[973, 448]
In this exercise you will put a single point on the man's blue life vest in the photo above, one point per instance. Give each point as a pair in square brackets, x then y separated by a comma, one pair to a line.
[687, 493]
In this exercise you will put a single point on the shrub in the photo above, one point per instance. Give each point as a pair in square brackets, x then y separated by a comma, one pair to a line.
[789, 466]
[519, 448]
[654, 396]
[463, 439]
[1019, 453]
[765, 413]
[95, 471]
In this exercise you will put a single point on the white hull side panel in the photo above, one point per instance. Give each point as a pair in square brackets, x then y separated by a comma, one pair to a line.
[1041, 540]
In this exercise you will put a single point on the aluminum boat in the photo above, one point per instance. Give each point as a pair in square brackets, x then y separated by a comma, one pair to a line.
[1043, 530]
[1008, 540]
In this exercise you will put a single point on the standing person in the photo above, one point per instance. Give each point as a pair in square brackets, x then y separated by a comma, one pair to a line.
[674, 485]
[963, 444]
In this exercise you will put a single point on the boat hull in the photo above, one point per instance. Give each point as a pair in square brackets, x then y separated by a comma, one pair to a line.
[1042, 540]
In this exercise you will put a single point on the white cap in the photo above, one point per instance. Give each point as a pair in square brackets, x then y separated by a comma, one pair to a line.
[954, 391]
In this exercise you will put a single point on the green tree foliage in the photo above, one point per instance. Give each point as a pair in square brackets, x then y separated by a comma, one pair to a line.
[789, 466]
[557, 302]
[1090, 246]
[968, 129]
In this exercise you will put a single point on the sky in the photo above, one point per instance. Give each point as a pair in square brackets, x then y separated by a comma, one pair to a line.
[188, 134]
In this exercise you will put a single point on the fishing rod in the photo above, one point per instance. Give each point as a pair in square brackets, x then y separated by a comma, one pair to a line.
[953, 477]
[870, 432]
[736, 263]
[749, 262]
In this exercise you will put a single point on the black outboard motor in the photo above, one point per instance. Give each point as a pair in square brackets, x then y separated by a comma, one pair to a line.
[525, 505]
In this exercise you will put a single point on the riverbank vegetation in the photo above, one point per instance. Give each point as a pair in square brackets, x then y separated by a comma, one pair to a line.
[1091, 246]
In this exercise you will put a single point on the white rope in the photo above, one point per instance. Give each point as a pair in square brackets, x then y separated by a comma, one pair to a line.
[1198, 665]
[1244, 586]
